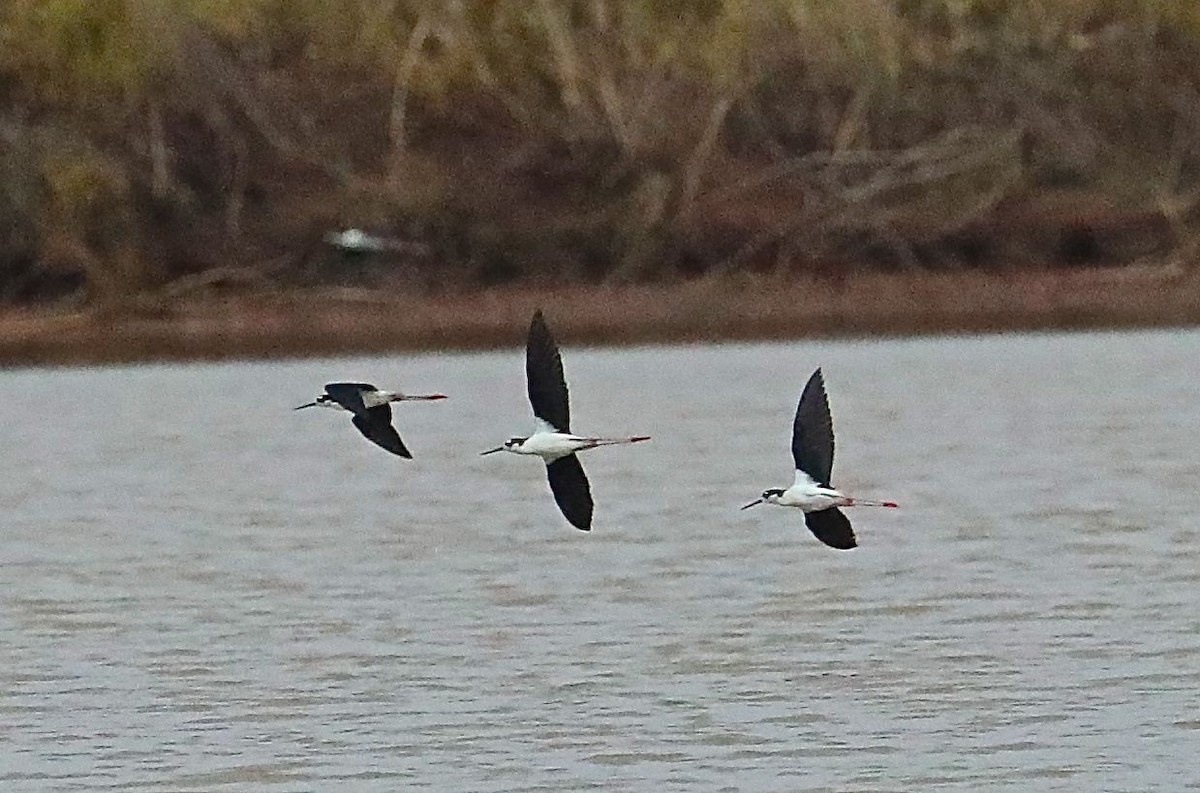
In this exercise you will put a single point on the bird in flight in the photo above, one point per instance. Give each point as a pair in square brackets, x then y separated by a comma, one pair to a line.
[812, 451]
[552, 439]
[372, 411]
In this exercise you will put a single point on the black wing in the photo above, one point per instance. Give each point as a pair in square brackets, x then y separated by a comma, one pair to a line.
[376, 424]
[349, 395]
[812, 432]
[544, 375]
[571, 490]
[832, 528]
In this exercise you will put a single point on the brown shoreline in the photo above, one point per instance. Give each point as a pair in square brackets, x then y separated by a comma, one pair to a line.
[331, 322]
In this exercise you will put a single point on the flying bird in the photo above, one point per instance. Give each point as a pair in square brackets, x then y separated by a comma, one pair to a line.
[372, 411]
[552, 439]
[812, 450]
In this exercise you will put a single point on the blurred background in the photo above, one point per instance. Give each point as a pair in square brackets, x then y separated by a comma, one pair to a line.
[157, 155]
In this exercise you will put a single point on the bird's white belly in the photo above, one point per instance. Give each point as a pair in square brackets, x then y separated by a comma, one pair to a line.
[810, 500]
[552, 445]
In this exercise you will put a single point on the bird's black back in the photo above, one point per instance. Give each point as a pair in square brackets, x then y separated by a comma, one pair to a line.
[376, 424]
[812, 432]
[349, 395]
[832, 528]
[570, 486]
[544, 375]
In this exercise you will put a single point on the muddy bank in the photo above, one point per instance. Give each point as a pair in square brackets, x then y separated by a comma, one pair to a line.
[331, 322]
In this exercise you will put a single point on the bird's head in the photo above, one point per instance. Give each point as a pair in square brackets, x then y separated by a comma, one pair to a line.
[769, 496]
[509, 445]
[320, 401]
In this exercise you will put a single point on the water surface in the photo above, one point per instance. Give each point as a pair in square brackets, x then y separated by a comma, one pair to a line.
[203, 591]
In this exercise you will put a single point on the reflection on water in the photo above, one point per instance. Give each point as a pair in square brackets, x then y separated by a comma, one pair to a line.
[202, 590]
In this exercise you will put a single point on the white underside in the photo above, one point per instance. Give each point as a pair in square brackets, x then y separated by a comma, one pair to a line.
[550, 444]
[805, 494]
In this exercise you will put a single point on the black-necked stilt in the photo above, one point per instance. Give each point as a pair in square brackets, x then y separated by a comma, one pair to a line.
[372, 411]
[553, 440]
[812, 450]
[359, 242]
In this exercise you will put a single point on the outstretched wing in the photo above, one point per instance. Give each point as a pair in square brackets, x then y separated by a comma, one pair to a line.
[812, 432]
[571, 490]
[544, 375]
[349, 395]
[376, 424]
[832, 528]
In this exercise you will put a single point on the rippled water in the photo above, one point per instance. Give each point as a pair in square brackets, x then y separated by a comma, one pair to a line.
[202, 590]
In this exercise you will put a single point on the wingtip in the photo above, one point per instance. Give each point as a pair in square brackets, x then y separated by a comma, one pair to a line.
[539, 330]
[815, 384]
[847, 544]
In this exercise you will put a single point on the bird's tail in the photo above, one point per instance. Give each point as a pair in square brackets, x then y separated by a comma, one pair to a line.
[858, 502]
[593, 442]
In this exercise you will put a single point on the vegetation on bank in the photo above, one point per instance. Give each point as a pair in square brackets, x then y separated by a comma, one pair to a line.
[152, 147]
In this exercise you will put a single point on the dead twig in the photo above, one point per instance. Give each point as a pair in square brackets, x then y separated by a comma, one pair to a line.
[868, 191]
[409, 59]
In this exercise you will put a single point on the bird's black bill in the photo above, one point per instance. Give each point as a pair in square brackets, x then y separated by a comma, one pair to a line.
[309, 405]
[492, 451]
[753, 503]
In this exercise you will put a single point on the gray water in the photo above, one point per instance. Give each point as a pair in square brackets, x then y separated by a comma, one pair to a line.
[201, 590]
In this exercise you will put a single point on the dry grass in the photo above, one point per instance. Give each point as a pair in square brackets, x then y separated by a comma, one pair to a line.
[599, 141]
